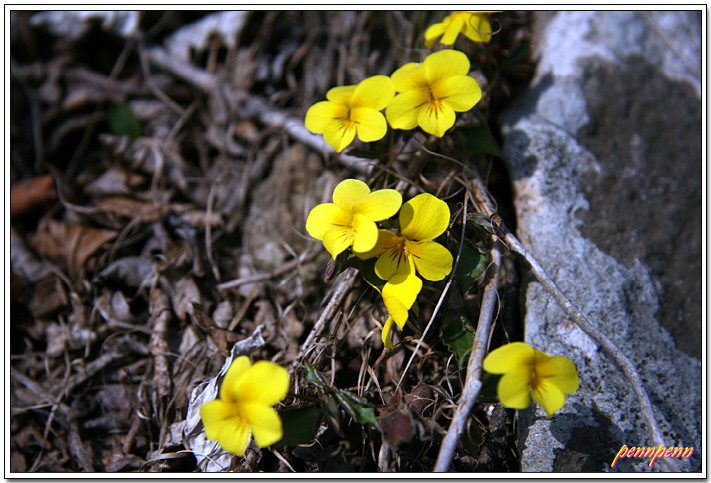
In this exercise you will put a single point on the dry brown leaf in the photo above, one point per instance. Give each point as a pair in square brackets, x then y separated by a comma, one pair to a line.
[129, 208]
[73, 244]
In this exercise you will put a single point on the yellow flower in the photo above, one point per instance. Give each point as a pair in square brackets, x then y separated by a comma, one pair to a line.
[526, 370]
[350, 110]
[422, 219]
[431, 92]
[350, 219]
[247, 395]
[474, 24]
[411, 251]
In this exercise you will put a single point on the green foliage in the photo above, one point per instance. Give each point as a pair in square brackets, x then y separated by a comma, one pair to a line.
[367, 270]
[458, 334]
[300, 424]
[479, 140]
[123, 121]
[472, 263]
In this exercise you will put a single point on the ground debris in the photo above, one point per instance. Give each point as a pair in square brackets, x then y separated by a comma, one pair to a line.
[168, 237]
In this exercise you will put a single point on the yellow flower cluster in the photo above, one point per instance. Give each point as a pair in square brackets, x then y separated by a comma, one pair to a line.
[423, 94]
[350, 222]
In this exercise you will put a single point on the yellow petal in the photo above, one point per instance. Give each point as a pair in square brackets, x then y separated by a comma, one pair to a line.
[339, 135]
[374, 92]
[265, 423]
[424, 217]
[514, 389]
[264, 383]
[436, 117]
[404, 110]
[445, 63]
[454, 27]
[387, 333]
[337, 240]
[478, 28]
[561, 372]
[369, 123]
[399, 295]
[349, 191]
[325, 115]
[234, 436]
[379, 205]
[214, 415]
[460, 92]
[432, 260]
[365, 233]
[236, 370]
[549, 396]
[433, 32]
[325, 217]
[341, 94]
[385, 242]
[509, 357]
[409, 76]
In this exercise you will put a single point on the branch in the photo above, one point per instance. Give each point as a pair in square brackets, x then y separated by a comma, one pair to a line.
[472, 384]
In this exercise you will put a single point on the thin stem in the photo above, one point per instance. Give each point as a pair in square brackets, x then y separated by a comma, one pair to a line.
[472, 384]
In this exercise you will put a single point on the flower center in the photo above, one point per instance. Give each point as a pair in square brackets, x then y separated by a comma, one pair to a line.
[348, 121]
[400, 253]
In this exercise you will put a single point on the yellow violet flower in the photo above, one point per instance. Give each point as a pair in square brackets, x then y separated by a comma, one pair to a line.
[350, 219]
[247, 395]
[528, 371]
[422, 219]
[474, 24]
[350, 110]
[432, 91]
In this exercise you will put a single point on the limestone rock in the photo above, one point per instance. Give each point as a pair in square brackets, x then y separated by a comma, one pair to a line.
[604, 150]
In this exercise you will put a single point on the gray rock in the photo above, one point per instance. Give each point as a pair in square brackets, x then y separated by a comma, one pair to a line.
[605, 154]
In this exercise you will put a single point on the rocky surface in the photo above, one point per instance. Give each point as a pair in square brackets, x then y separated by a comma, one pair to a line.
[604, 150]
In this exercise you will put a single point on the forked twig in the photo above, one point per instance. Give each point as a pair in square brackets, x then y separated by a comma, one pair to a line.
[344, 284]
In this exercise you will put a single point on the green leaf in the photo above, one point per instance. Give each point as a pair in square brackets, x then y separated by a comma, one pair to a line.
[472, 438]
[479, 140]
[487, 394]
[314, 376]
[472, 263]
[300, 424]
[367, 270]
[357, 408]
[458, 334]
[123, 122]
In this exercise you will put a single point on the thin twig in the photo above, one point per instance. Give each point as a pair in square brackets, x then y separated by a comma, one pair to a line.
[344, 284]
[263, 277]
[628, 369]
[472, 384]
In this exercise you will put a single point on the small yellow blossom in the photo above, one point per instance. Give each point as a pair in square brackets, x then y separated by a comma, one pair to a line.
[432, 91]
[247, 395]
[350, 110]
[528, 371]
[350, 220]
[474, 24]
[411, 251]
[422, 219]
